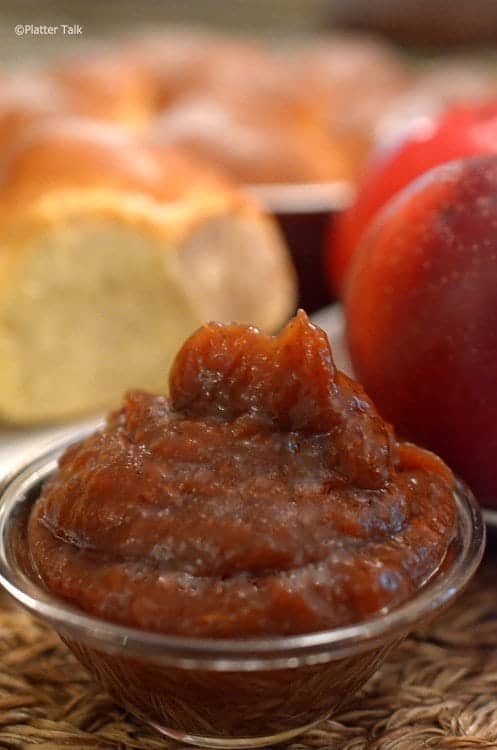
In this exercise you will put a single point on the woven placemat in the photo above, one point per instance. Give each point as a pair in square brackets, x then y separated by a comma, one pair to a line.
[439, 689]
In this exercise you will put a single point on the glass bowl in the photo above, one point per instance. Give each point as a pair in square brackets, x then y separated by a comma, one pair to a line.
[226, 693]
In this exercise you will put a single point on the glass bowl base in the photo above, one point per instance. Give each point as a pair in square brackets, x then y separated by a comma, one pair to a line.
[231, 743]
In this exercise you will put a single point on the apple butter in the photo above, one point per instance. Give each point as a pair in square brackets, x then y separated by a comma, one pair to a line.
[264, 496]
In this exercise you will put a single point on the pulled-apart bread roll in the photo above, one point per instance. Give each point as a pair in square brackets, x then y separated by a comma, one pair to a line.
[180, 61]
[354, 78]
[106, 85]
[110, 256]
[27, 98]
[246, 116]
[251, 145]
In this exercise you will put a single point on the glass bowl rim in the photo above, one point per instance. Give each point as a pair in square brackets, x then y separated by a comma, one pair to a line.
[228, 654]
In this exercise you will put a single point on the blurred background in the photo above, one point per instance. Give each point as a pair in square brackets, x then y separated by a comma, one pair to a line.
[432, 25]
[352, 75]
[291, 101]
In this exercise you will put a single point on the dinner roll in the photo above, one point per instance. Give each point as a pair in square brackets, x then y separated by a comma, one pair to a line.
[179, 60]
[27, 98]
[107, 85]
[355, 78]
[112, 255]
[253, 144]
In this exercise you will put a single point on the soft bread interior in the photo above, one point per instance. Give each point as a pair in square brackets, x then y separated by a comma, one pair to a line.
[99, 289]
[91, 308]
[238, 270]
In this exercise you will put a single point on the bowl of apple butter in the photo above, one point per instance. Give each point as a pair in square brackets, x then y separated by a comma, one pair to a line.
[233, 560]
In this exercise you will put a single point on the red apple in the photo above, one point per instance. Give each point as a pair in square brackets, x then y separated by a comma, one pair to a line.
[464, 130]
[421, 305]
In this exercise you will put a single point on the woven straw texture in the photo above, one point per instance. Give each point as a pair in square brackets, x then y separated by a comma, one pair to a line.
[439, 690]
